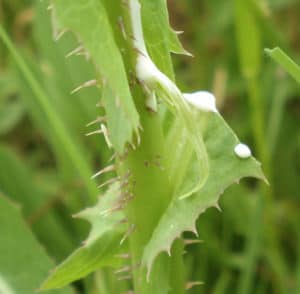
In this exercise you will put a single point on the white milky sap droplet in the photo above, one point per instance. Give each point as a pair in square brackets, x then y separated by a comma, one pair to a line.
[203, 100]
[242, 150]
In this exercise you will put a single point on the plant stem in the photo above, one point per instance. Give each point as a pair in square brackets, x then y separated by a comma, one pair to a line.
[150, 183]
[152, 194]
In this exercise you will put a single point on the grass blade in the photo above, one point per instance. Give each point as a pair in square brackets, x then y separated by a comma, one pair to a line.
[57, 124]
[285, 61]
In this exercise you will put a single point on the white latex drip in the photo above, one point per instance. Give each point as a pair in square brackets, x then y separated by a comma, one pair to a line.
[242, 150]
[202, 100]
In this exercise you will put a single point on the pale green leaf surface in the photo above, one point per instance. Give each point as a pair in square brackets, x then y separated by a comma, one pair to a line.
[100, 247]
[23, 262]
[225, 169]
[90, 22]
[115, 120]
[286, 62]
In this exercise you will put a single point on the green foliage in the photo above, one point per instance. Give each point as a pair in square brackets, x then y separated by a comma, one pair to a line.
[12, 167]
[61, 133]
[46, 162]
[225, 169]
[183, 212]
[248, 36]
[21, 267]
[90, 22]
[101, 246]
[159, 37]
[286, 62]
[11, 111]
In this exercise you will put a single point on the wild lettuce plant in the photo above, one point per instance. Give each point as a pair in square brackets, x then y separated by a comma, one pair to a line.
[173, 153]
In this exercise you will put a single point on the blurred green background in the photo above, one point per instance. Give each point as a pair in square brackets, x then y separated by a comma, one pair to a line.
[253, 246]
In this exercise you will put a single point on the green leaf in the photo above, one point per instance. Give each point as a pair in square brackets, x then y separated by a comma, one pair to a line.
[30, 196]
[101, 245]
[23, 262]
[89, 20]
[115, 119]
[225, 169]
[285, 61]
[160, 38]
